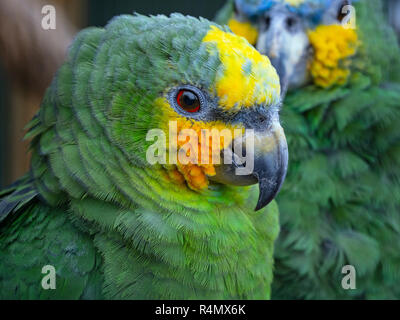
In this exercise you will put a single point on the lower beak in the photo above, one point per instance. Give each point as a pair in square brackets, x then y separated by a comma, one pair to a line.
[262, 158]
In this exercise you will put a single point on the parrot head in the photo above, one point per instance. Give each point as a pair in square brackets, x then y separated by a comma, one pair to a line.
[184, 77]
[303, 38]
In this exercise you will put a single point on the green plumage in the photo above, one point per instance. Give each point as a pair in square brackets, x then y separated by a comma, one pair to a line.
[113, 226]
[37, 236]
[340, 202]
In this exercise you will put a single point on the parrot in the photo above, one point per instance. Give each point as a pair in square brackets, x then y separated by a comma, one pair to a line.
[339, 62]
[96, 218]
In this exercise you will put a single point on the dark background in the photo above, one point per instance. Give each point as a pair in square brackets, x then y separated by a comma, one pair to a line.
[3, 127]
[101, 11]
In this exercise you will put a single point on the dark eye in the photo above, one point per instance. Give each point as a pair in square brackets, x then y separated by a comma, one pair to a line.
[188, 100]
[291, 22]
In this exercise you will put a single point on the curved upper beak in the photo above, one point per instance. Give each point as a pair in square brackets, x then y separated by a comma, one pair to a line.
[257, 156]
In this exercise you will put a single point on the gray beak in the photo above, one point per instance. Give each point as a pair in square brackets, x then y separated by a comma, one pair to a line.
[264, 160]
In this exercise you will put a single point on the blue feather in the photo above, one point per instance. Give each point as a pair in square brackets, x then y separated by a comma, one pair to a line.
[313, 10]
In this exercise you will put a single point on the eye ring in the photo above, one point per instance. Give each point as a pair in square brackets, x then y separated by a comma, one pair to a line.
[188, 100]
[197, 111]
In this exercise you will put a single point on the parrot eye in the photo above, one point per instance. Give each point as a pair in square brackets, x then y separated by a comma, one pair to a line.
[291, 23]
[188, 100]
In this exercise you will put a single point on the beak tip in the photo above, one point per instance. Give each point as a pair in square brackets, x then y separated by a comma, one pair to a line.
[262, 203]
[266, 195]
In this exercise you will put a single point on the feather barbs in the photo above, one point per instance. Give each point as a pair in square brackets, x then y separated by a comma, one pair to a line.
[247, 78]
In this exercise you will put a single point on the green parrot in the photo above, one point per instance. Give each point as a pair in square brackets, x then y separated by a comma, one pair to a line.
[340, 202]
[111, 223]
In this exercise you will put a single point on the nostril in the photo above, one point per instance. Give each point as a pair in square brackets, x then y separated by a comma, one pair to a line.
[263, 115]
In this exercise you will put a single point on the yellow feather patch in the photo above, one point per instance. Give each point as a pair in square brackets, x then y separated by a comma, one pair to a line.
[248, 78]
[333, 46]
[194, 174]
[295, 3]
[244, 29]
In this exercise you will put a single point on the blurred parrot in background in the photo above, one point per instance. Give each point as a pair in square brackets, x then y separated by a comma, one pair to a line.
[340, 203]
[112, 224]
[393, 12]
